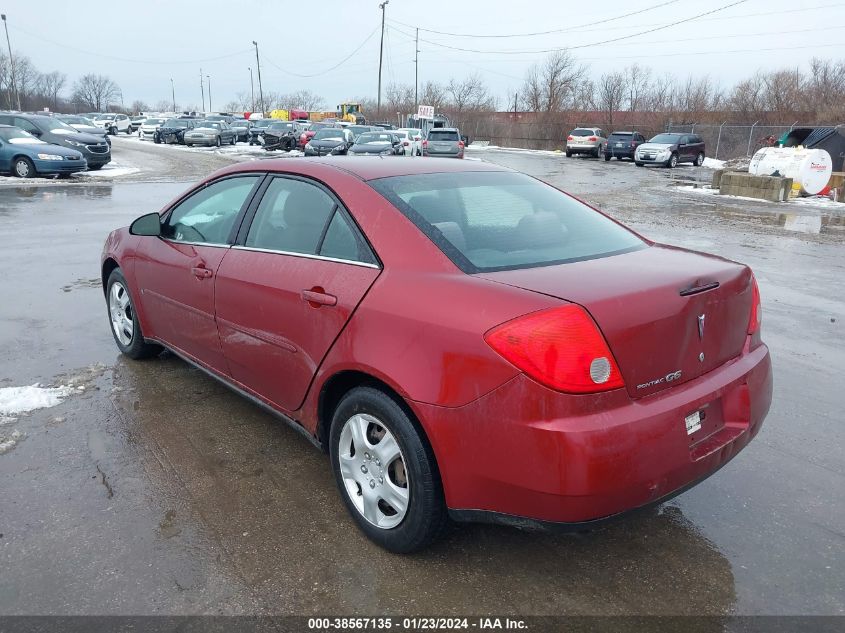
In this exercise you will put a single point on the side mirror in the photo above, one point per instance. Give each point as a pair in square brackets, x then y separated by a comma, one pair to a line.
[148, 225]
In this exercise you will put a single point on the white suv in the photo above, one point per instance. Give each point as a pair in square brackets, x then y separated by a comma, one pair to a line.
[586, 140]
[114, 123]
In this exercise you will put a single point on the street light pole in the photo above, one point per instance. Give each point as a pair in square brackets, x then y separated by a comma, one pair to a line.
[417, 71]
[173, 94]
[260, 90]
[380, 55]
[202, 91]
[251, 89]
[11, 63]
[209, 91]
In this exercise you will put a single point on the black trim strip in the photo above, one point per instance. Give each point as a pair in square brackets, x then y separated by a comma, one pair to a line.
[694, 290]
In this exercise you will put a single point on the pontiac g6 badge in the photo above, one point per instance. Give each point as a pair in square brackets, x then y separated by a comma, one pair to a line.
[672, 377]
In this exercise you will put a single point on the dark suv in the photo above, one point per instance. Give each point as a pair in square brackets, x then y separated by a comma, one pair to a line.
[173, 130]
[623, 145]
[671, 148]
[50, 129]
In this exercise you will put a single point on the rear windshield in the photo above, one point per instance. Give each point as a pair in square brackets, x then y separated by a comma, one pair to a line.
[487, 221]
[443, 135]
[583, 132]
[621, 135]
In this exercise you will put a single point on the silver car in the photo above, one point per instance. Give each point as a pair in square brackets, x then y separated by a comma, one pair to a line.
[586, 140]
[444, 142]
[211, 133]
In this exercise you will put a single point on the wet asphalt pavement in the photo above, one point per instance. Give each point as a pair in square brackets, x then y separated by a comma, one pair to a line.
[154, 490]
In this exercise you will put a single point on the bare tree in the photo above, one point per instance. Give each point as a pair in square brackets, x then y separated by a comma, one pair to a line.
[94, 91]
[696, 98]
[638, 83]
[551, 87]
[433, 94]
[163, 105]
[610, 94]
[468, 94]
[747, 98]
[140, 106]
[398, 98]
[826, 89]
[49, 87]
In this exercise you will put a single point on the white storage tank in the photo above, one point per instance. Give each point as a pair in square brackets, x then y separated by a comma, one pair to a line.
[810, 169]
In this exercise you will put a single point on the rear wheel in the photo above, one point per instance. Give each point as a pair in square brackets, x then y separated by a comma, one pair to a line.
[23, 167]
[607, 157]
[638, 164]
[699, 160]
[125, 327]
[386, 472]
[234, 139]
[568, 154]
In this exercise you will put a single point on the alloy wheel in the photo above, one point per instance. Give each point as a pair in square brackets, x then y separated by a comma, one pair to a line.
[120, 310]
[373, 470]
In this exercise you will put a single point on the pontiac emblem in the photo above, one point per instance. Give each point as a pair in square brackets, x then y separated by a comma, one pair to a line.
[701, 326]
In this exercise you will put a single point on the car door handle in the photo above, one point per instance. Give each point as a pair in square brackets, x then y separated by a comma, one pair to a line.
[201, 272]
[317, 297]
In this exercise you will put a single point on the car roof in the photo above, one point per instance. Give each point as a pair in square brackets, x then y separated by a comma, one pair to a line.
[367, 168]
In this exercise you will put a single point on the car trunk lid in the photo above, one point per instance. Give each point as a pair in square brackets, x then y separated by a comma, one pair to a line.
[668, 315]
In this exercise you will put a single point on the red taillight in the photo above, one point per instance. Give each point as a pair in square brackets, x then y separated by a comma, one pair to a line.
[569, 138]
[405, 143]
[425, 144]
[592, 138]
[461, 144]
[633, 144]
[561, 348]
[756, 317]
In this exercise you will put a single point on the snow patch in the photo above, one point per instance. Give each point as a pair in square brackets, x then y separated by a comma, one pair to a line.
[8, 443]
[15, 400]
[712, 163]
[7, 419]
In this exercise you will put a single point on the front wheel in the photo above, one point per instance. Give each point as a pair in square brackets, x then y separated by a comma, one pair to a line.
[125, 327]
[218, 142]
[386, 472]
[234, 140]
[23, 168]
[607, 158]
[699, 160]
[673, 161]
[638, 164]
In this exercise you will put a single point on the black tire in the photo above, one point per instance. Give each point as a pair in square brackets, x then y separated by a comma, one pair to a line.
[156, 140]
[638, 164]
[218, 142]
[94, 167]
[64, 176]
[607, 158]
[699, 160]
[22, 167]
[672, 162]
[137, 348]
[426, 516]
[568, 154]
[234, 139]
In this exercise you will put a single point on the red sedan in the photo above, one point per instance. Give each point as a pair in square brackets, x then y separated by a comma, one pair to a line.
[464, 341]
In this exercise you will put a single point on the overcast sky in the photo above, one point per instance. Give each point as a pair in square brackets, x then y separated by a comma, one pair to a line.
[142, 44]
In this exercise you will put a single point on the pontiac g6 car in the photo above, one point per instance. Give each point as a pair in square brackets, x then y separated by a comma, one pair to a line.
[463, 340]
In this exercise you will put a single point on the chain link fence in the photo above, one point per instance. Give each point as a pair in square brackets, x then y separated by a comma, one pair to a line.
[724, 141]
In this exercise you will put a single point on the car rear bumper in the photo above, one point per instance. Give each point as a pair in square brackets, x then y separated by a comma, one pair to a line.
[436, 154]
[582, 147]
[620, 152]
[526, 452]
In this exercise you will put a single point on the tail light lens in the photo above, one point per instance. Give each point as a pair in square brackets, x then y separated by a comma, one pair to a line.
[592, 138]
[569, 138]
[561, 348]
[756, 317]
[461, 144]
[425, 144]
[405, 143]
[633, 144]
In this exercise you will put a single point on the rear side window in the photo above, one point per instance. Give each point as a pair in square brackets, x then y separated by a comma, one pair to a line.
[299, 217]
[443, 135]
[487, 221]
[207, 217]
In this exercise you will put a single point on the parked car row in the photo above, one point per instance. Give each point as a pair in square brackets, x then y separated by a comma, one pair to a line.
[34, 145]
[668, 149]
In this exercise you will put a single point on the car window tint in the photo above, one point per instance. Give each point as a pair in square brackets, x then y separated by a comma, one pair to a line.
[343, 241]
[26, 125]
[499, 221]
[291, 217]
[209, 215]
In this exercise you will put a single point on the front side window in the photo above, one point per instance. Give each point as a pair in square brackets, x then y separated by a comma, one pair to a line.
[486, 221]
[27, 125]
[209, 215]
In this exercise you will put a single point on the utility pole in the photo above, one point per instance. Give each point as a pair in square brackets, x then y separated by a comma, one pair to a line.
[251, 89]
[209, 91]
[417, 71]
[173, 94]
[515, 97]
[12, 63]
[380, 55]
[260, 90]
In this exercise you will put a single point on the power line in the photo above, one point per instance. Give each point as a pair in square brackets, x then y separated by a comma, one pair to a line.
[129, 60]
[328, 70]
[564, 30]
[600, 43]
